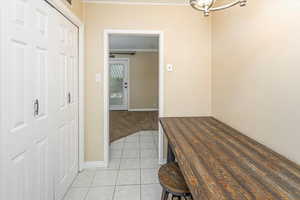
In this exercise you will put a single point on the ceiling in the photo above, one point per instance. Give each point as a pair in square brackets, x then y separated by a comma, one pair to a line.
[180, 2]
[133, 42]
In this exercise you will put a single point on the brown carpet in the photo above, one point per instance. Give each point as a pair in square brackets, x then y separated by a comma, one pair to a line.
[124, 123]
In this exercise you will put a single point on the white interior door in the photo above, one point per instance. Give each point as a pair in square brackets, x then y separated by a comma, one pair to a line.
[2, 181]
[39, 101]
[67, 106]
[118, 84]
[25, 101]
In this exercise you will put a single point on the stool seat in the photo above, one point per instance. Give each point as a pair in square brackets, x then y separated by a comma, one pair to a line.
[172, 180]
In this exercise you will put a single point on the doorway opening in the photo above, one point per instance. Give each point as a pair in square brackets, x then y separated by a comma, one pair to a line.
[133, 96]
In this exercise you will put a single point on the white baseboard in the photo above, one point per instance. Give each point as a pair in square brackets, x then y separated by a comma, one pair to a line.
[143, 109]
[118, 108]
[94, 164]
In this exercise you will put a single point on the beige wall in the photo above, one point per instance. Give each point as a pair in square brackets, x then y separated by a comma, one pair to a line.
[256, 84]
[254, 63]
[76, 7]
[143, 80]
[187, 46]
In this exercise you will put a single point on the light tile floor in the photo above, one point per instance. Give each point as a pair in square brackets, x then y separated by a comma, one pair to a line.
[131, 175]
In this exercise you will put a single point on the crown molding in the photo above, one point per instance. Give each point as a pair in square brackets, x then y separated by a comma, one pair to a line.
[124, 2]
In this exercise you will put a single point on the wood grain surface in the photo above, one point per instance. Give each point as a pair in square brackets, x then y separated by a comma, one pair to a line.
[220, 163]
[171, 179]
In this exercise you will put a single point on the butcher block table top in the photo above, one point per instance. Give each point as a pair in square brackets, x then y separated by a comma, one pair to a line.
[220, 163]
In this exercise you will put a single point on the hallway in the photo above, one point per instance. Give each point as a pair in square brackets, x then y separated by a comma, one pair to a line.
[124, 123]
[131, 175]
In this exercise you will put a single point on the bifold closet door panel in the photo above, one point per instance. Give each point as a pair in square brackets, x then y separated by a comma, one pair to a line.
[27, 101]
[39, 101]
[2, 181]
[67, 106]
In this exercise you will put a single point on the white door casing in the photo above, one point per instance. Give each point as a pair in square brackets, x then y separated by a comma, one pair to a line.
[30, 82]
[105, 38]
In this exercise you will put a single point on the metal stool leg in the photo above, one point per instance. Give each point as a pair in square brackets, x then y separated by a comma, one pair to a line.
[164, 195]
[187, 197]
[176, 197]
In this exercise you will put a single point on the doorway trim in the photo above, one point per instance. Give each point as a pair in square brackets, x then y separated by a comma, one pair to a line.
[106, 34]
[127, 61]
[63, 8]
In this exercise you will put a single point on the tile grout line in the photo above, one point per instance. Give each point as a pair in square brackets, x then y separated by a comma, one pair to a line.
[89, 187]
[70, 187]
[140, 160]
[118, 173]
[118, 169]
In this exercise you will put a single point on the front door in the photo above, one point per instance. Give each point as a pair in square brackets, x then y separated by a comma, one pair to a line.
[118, 84]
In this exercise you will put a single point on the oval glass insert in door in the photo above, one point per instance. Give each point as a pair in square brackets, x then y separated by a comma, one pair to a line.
[118, 85]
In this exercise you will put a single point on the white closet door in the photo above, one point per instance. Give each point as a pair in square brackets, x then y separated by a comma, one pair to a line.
[25, 86]
[2, 182]
[73, 104]
[67, 116]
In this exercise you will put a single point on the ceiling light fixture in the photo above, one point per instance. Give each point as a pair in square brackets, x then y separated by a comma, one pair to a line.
[209, 5]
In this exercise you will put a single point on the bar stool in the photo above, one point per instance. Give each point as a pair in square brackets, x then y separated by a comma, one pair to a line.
[172, 182]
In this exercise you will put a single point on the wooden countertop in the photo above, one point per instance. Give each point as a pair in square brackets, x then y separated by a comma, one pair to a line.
[220, 163]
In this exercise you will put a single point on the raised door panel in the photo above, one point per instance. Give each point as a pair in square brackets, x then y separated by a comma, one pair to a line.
[20, 181]
[73, 148]
[62, 140]
[71, 78]
[44, 180]
[29, 177]
[63, 65]
[74, 79]
[18, 90]
[41, 81]
[64, 176]
[63, 70]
